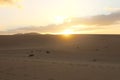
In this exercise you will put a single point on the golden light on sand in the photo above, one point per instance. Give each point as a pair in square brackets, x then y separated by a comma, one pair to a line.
[67, 32]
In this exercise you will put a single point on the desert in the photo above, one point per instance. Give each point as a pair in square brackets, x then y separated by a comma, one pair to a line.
[57, 57]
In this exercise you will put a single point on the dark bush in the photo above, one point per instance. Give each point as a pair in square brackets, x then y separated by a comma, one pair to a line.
[30, 55]
[48, 52]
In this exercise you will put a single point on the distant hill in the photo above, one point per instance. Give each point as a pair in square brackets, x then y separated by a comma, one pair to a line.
[32, 33]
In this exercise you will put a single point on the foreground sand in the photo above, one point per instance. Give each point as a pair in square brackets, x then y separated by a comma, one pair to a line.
[28, 69]
[83, 57]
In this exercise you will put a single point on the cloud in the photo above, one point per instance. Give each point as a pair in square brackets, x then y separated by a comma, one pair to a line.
[98, 20]
[40, 29]
[113, 9]
[7, 2]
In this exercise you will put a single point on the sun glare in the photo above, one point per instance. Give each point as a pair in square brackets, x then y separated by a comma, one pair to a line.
[59, 19]
[67, 32]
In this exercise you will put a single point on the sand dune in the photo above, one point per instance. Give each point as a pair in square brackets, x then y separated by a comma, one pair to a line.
[50, 57]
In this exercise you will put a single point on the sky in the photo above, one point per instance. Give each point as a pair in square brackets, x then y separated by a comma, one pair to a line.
[60, 16]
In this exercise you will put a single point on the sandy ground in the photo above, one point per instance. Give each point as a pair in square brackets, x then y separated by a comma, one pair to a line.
[82, 57]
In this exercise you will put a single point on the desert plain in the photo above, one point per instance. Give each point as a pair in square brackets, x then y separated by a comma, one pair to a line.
[60, 57]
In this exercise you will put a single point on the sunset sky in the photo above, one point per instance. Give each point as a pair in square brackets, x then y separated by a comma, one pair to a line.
[60, 16]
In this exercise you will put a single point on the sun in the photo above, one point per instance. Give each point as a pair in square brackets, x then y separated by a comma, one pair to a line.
[61, 19]
[67, 32]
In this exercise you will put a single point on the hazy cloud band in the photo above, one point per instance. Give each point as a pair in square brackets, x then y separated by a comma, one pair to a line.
[92, 23]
